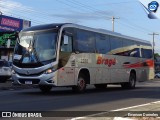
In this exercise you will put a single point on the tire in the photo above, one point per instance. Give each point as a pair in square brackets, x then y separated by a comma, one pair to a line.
[81, 84]
[45, 88]
[100, 86]
[132, 82]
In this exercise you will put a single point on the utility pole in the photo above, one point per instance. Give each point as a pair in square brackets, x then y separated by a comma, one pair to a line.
[113, 18]
[153, 34]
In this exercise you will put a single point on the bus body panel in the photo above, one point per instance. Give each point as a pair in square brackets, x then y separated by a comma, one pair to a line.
[103, 68]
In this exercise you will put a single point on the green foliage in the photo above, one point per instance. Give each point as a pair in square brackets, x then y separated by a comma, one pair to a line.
[156, 55]
[4, 38]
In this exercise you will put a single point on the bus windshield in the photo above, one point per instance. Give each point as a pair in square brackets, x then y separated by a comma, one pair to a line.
[36, 47]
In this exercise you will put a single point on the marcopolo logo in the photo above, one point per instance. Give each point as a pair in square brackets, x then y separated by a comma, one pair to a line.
[153, 6]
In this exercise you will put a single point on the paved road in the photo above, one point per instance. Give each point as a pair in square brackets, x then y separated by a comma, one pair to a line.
[64, 99]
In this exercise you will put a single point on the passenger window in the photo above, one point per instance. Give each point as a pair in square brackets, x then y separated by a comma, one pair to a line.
[146, 53]
[102, 44]
[130, 48]
[85, 41]
[135, 53]
[66, 44]
[116, 46]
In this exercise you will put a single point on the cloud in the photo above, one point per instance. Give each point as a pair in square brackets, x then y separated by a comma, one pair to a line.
[77, 16]
[9, 6]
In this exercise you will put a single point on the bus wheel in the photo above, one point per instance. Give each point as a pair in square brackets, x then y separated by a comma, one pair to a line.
[100, 86]
[45, 88]
[132, 82]
[81, 84]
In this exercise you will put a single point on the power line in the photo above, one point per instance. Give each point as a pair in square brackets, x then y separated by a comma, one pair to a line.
[137, 26]
[83, 8]
[29, 11]
[102, 12]
[131, 27]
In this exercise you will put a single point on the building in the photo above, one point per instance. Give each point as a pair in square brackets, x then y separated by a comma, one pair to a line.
[9, 26]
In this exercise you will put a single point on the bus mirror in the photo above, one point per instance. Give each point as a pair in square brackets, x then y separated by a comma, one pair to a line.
[65, 40]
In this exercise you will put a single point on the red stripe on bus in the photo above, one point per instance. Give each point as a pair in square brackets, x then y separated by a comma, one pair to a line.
[149, 63]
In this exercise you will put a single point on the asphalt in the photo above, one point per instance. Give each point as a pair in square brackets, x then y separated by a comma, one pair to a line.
[148, 111]
[8, 86]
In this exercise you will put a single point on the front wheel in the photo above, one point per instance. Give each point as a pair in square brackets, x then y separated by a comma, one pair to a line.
[81, 84]
[45, 88]
[132, 82]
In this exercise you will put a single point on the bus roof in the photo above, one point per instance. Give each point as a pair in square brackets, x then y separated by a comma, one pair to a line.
[105, 32]
[44, 27]
[59, 25]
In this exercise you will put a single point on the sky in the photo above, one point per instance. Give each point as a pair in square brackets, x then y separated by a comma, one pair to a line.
[132, 19]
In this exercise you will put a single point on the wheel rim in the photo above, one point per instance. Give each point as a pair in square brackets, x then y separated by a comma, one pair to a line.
[81, 83]
[132, 81]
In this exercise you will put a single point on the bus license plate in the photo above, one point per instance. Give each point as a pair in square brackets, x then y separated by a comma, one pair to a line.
[28, 82]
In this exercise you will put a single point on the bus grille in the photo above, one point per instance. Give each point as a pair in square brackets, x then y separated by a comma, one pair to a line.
[32, 75]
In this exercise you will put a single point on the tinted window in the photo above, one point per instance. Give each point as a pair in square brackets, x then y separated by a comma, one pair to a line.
[116, 45]
[85, 41]
[102, 44]
[135, 53]
[127, 43]
[146, 53]
[66, 47]
[130, 48]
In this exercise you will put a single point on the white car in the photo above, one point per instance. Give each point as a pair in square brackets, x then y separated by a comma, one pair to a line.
[5, 71]
[157, 75]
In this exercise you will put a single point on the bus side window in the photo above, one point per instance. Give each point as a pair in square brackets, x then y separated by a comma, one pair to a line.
[146, 53]
[66, 44]
[135, 53]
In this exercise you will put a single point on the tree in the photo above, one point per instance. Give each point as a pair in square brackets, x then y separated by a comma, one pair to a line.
[156, 55]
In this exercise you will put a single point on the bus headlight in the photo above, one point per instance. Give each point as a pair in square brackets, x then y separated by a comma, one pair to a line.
[50, 70]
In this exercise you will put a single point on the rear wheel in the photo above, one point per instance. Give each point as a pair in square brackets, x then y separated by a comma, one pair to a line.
[132, 82]
[81, 84]
[45, 88]
[100, 86]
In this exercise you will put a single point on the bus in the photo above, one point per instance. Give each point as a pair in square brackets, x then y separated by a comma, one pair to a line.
[72, 55]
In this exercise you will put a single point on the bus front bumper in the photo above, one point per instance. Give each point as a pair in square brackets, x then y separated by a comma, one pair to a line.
[43, 79]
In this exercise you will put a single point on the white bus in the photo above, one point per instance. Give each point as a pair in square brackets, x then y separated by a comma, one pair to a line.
[74, 56]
